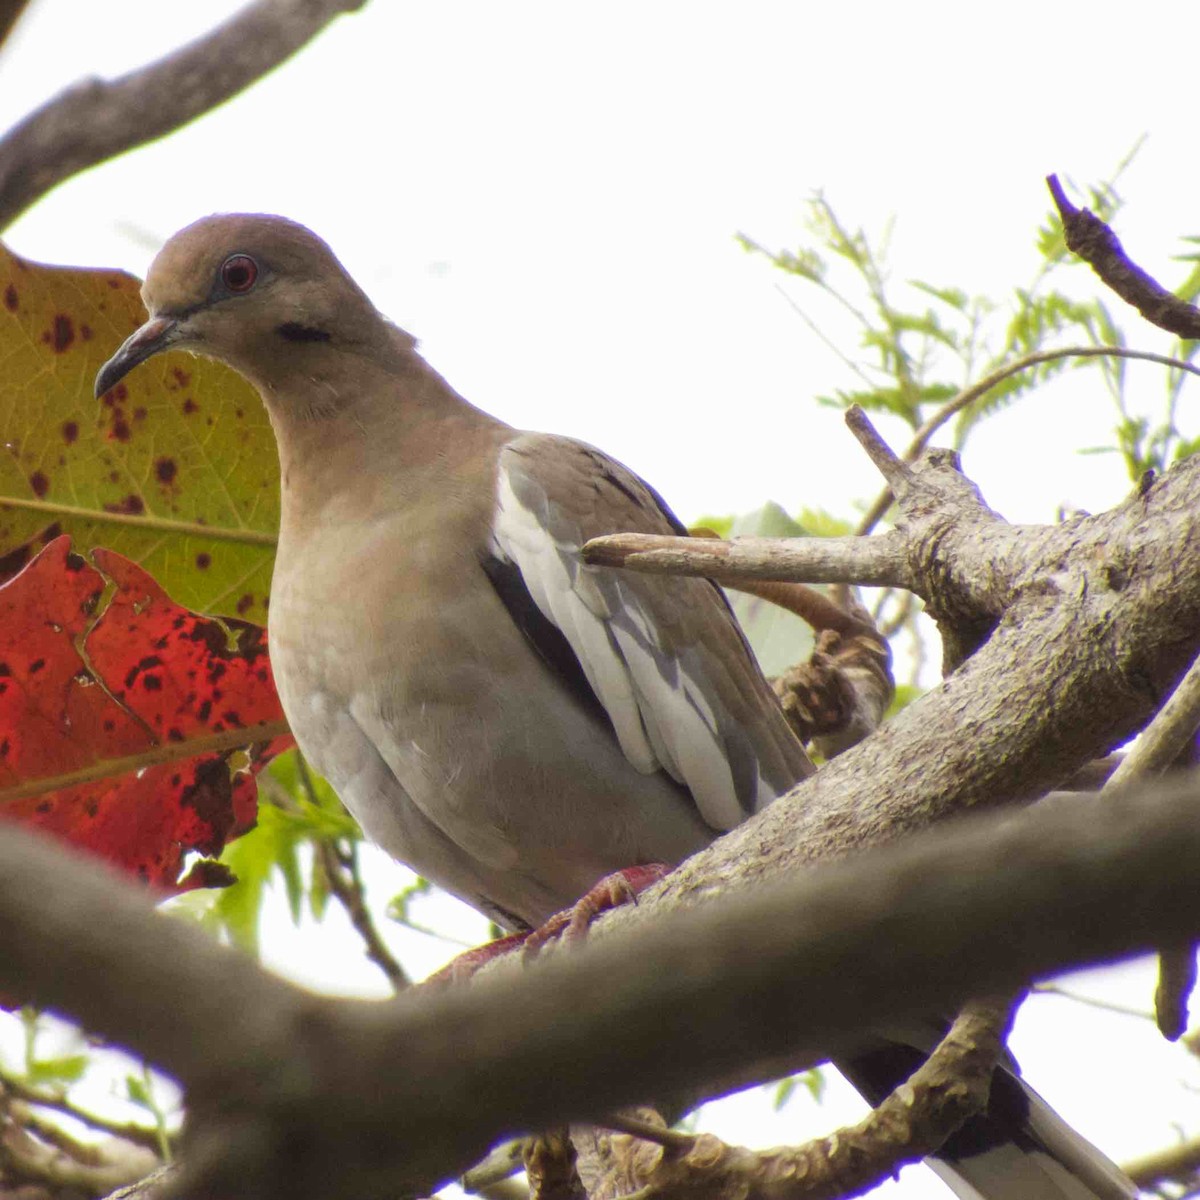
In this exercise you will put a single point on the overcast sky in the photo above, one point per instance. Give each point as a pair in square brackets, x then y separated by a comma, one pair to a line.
[547, 195]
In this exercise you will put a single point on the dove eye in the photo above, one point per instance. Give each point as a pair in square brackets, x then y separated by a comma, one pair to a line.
[238, 272]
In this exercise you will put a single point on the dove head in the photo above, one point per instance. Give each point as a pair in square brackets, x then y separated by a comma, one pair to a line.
[261, 293]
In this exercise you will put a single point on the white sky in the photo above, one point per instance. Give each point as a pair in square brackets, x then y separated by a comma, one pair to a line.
[546, 194]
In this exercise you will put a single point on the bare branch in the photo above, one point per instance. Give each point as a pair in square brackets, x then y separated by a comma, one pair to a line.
[96, 120]
[1161, 745]
[501, 1162]
[1164, 739]
[93, 1169]
[892, 468]
[876, 561]
[56, 1101]
[1179, 1162]
[1094, 242]
[951, 1086]
[10, 14]
[977, 391]
[342, 875]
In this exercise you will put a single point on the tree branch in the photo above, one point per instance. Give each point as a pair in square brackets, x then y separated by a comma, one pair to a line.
[10, 14]
[977, 391]
[96, 120]
[1179, 1162]
[876, 561]
[345, 884]
[1166, 737]
[952, 1085]
[1161, 744]
[275, 1096]
[1090, 238]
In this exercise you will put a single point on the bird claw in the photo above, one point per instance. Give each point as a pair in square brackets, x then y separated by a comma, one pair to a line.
[613, 891]
[570, 925]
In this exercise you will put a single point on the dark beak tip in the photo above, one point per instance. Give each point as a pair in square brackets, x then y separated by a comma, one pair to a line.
[156, 334]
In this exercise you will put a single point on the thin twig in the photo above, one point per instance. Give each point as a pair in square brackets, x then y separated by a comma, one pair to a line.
[1124, 1010]
[502, 1161]
[140, 1135]
[95, 120]
[976, 391]
[345, 885]
[1092, 240]
[891, 467]
[659, 1134]
[1165, 738]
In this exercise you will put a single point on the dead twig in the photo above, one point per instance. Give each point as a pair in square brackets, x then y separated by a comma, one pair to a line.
[139, 1135]
[1093, 241]
[340, 866]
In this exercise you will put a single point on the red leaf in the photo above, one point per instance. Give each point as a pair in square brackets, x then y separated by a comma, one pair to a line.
[84, 680]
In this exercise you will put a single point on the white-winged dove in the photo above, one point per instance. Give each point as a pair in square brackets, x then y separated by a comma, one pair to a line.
[511, 723]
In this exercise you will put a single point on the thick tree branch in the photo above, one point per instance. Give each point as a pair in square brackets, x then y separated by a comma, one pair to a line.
[96, 120]
[1090, 238]
[1084, 628]
[276, 1094]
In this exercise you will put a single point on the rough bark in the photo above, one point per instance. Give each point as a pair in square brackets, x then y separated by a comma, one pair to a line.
[276, 1077]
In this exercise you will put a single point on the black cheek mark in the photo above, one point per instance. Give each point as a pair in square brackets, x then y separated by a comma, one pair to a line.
[293, 331]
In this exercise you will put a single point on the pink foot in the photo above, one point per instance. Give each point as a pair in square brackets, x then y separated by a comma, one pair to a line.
[462, 966]
[621, 887]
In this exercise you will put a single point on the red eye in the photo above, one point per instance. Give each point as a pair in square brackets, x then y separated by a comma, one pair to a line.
[238, 272]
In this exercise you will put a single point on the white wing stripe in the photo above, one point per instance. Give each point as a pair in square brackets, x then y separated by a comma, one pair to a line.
[661, 716]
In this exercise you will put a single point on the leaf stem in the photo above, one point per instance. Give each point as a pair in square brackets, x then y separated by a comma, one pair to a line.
[227, 739]
[251, 537]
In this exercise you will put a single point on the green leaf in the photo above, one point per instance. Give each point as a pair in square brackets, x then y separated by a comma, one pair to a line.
[956, 298]
[816, 522]
[812, 1081]
[138, 1092]
[175, 467]
[719, 525]
[67, 1069]
[273, 846]
[779, 638]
